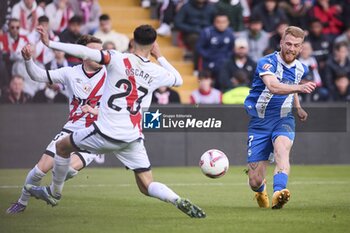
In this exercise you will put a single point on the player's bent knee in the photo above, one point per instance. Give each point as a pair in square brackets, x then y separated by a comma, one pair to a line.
[255, 182]
[64, 147]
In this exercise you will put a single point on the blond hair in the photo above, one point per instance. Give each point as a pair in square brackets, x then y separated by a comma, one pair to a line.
[294, 31]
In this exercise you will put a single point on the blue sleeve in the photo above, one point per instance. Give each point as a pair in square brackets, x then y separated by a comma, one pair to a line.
[202, 43]
[306, 72]
[266, 65]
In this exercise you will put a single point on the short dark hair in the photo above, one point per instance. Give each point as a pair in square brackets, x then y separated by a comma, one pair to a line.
[338, 45]
[315, 20]
[220, 13]
[104, 17]
[43, 19]
[76, 19]
[255, 19]
[204, 74]
[145, 35]
[13, 20]
[86, 39]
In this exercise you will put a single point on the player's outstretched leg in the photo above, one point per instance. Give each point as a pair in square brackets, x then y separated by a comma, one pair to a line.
[43, 193]
[158, 190]
[281, 195]
[257, 182]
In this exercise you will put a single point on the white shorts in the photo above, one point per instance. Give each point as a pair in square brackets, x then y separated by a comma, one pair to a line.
[133, 154]
[86, 158]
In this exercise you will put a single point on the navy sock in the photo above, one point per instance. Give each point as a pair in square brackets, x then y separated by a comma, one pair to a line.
[261, 188]
[280, 181]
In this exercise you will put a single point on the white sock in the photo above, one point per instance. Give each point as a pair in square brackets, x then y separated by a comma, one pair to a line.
[71, 173]
[34, 177]
[59, 174]
[162, 192]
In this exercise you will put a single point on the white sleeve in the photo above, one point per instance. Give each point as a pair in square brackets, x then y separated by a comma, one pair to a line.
[79, 51]
[173, 77]
[47, 76]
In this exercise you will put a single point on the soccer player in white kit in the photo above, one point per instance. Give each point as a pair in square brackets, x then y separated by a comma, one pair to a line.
[131, 80]
[85, 84]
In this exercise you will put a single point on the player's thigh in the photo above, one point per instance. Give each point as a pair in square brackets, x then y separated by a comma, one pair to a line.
[134, 156]
[259, 146]
[283, 136]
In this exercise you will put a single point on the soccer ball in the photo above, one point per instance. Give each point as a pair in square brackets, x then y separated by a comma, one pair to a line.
[214, 163]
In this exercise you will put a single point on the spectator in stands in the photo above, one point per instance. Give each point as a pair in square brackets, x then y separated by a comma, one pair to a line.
[71, 35]
[15, 94]
[258, 39]
[89, 11]
[337, 68]
[109, 45]
[13, 42]
[5, 75]
[165, 95]
[320, 43]
[320, 93]
[274, 42]
[346, 13]
[329, 15]
[342, 91]
[106, 33]
[27, 12]
[296, 12]
[215, 45]
[59, 12]
[205, 94]
[234, 10]
[50, 94]
[192, 17]
[167, 13]
[270, 14]
[42, 54]
[59, 61]
[345, 37]
[239, 62]
[241, 90]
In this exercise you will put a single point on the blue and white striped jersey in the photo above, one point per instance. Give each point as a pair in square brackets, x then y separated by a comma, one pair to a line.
[260, 101]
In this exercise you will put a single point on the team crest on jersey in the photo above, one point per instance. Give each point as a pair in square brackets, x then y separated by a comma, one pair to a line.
[87, 88]
[267, 66]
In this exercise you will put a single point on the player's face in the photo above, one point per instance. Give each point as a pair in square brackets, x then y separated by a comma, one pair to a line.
[290, 48]
[91, 64]
[14, 29]
[221, 23]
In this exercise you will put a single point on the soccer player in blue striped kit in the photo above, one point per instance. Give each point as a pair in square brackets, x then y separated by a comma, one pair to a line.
[277, 81]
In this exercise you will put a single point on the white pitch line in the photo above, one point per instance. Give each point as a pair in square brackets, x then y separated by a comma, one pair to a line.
[193, 184]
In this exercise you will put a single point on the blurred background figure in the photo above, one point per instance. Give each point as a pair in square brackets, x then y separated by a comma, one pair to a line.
[270, 14]
[27, 12]
[215, 45]
[296, 12]
[240, 91]
[59, 13]
[89, 11]
[239, 62]
[109, 45]
[205, 94]
[234, 10]
[106, 33]
[274, 42]
[165, 95]
[320, 93]
[337, 70]
[14, 94]
[50, 94]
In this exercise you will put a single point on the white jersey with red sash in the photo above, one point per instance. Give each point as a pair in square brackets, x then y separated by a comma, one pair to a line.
[58, 17]
[129, 87]
[82, 89]
[13, 46]
[28, 18]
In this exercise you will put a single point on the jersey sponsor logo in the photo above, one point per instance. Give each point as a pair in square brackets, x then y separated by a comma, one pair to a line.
[93, 100]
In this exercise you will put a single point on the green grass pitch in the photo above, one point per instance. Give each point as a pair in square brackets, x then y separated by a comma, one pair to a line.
[107, 200]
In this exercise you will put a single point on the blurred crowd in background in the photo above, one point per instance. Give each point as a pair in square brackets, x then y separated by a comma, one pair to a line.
[223, 38]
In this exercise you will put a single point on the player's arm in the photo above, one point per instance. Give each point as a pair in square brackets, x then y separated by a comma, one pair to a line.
[155, 52]
[276, 87]
[75, 50]
[302, 114]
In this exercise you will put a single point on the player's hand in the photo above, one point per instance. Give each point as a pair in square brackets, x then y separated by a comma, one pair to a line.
[27, 52]
[44, 36]
[88, 109]
[302, 114]
[155, 51]
[308, 87]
